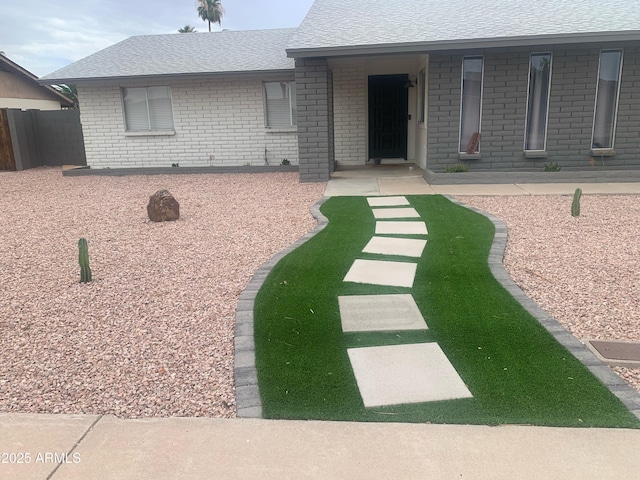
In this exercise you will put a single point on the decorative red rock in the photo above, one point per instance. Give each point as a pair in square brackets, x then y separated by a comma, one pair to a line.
[163, 207]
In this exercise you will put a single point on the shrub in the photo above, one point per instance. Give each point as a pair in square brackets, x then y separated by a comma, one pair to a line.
[458, 167]
[552, 167]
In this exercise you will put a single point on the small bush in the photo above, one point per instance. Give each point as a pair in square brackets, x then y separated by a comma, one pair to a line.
[285, 162]
[456, 168]
[552, 167]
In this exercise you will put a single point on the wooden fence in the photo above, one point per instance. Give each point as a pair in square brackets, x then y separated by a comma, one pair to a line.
[7, 162]
[32, 138]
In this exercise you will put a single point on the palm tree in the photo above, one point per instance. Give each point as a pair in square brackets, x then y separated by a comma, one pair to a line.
[69, 91]
[187, 29]
[210, 11]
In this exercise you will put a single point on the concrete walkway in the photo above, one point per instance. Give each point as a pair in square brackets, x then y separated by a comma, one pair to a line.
[67, 447]
[352, 183]
[106, 448]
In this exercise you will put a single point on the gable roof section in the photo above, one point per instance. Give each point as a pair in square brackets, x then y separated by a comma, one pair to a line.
[183, 54]
[26, 76]
[347, 27]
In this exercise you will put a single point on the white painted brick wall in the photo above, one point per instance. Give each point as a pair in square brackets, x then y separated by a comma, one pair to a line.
[350, 112]
[223, 117]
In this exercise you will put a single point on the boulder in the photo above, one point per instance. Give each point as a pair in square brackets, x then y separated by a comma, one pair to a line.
[163, 207]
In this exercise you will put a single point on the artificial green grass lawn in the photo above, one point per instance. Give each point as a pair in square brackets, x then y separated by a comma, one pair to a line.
[514, 368]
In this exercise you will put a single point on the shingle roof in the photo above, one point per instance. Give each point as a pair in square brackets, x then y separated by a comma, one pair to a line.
[342, 25]
[187, 53]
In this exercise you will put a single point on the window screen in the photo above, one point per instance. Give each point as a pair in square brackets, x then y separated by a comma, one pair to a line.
[280, 103]
[147, 108]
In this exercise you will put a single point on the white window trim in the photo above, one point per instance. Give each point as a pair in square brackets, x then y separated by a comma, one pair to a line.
[422, 96]
[142, 133]
[150, 133]
[607, 151]
[279, 128]
[464, 153]
[526, 114]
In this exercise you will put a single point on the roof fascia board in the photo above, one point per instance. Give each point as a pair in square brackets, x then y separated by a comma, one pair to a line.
[170, 76]
[423, 47]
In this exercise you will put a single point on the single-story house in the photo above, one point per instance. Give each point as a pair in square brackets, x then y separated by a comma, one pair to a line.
[20, 89]
[498, 84]
[196, 99]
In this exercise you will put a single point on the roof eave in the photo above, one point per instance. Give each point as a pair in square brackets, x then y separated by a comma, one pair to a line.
[474, 43]
[26, 74]
[166, 76]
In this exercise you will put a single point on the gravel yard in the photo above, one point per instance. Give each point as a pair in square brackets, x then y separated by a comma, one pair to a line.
[152, 334]
[583, 271]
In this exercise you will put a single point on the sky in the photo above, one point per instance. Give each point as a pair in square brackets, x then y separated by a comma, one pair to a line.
[45, 35]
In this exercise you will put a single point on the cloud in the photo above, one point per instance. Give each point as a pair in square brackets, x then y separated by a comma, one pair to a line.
[59, 33]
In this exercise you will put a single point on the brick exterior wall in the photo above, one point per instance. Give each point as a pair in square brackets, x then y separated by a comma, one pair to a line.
[223, 117]
[571, 105]
[315, 122]
[350, 113]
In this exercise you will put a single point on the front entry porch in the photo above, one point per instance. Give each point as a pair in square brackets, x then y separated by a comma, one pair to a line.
[390, 179]
[360, 111]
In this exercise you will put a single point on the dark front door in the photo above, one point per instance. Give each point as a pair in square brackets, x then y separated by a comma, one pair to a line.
[388, 99]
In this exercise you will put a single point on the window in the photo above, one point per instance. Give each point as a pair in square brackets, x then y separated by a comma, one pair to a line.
[280, 104]
[421, 95]
[471, 104]
[607, 90]
[147, 109]
[535, 137]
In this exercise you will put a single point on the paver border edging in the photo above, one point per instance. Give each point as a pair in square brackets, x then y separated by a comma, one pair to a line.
[248, 402]
[601, 370]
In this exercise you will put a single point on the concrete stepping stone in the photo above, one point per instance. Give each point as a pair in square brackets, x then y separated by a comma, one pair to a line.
[387, 201]
[401, 228]
[380, 313]
[379, 272]
[399, 374]
[407, 247]
[408, 212]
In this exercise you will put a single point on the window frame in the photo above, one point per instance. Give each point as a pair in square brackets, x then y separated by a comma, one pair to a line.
[422, 96]
[546, 119]
[617, 100]
[470, 57]
[292, 101]
[149, 131]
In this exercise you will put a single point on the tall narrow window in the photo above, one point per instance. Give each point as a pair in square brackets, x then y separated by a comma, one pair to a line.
[471, 104]
[604, 118]
[280, 103]
[538, 101]
[422, 90]
[147, 109]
